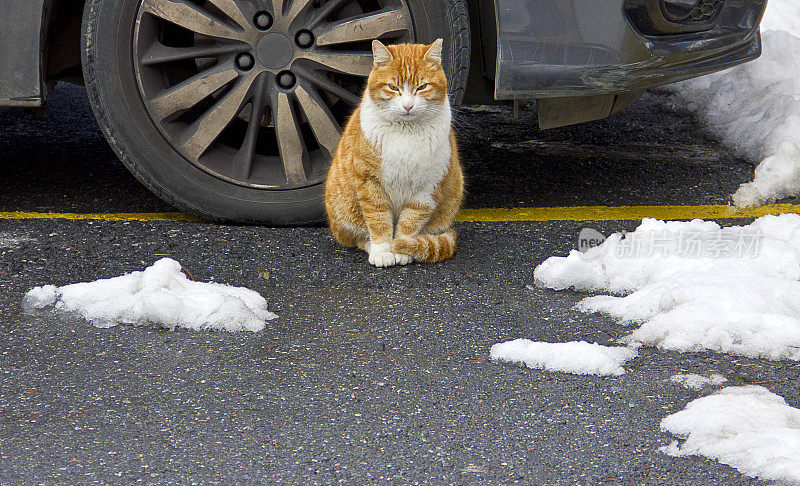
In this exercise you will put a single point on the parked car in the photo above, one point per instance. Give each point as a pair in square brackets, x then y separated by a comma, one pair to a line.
[231, 109]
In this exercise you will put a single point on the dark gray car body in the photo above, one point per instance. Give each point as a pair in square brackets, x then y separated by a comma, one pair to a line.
[22, 31]
[582, 59]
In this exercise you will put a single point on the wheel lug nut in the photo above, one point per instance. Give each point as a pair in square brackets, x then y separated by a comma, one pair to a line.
[245, 61]
[286, 79]
[263, 20]
[304, 38]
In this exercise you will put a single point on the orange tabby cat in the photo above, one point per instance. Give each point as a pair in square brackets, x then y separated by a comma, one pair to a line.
[395, 184]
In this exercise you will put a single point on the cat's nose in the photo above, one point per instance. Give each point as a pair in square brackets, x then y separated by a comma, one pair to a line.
[408, 107]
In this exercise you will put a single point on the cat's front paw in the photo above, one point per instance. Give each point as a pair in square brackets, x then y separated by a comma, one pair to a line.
[381, 255]
[403, 258]
[383, 259]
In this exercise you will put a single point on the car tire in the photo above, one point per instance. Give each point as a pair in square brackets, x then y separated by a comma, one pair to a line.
[155, 149]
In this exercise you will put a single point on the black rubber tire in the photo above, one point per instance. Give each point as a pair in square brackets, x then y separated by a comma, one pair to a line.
[449, 20]
[106, 50]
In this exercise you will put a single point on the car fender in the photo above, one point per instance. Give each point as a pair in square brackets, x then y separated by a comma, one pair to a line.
[22, 31]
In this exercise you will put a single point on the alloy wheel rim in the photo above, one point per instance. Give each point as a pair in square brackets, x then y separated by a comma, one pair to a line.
[256, 92]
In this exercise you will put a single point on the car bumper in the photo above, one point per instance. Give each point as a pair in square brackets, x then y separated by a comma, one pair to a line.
[581, 48]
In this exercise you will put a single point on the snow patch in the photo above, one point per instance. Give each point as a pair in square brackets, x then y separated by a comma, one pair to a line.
[755, 107]
[693, 297]
[698, 382]
[748, 428]
[161, 295]
[782, 16]
[577, 357]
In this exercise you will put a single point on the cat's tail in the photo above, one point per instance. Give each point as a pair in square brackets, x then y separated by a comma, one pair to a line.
[428, 248]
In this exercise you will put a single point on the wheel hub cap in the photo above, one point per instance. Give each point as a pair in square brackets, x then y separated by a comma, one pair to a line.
[274, 51]
[256, 93]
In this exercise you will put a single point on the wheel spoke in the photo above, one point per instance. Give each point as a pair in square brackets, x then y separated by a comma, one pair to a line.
[277, 8]
[366, 27]
[328, 85]
[193, 90]
[205, 130]
[289, 142]
[322, 122]
[248, 149]
[323, 12]
[190, 17]
[232, 10]
[358, 64]
[296, 7]
[159, 53]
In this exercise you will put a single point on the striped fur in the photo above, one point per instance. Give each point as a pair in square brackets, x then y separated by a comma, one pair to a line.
[427, 248]
[395, 184]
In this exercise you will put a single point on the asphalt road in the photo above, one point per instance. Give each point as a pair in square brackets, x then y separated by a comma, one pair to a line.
[368, 375]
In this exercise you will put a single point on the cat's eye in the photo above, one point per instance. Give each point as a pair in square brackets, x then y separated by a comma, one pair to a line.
[393, 87]
[422, 86]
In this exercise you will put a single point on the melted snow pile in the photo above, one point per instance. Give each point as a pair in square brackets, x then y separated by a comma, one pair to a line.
[580, 358]
[745, 427]
[695, 286]
[697, 382]
[160, 295]
[755, 107]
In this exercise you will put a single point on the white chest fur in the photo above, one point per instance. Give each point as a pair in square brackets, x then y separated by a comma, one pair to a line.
[415, 155]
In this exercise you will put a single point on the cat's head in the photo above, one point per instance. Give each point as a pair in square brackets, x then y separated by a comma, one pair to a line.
[407, 81]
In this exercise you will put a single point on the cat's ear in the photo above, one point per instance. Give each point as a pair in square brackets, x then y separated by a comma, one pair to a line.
[381, 55]
[434, 52]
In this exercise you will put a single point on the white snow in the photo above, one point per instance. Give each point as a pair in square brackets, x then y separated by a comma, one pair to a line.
[161, 295]
[746, 427]
[755, 107]
[694, 286]
[577, 357]
[698, 382]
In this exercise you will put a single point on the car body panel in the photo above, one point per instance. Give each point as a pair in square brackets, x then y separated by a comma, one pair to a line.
[21, 41]
[575, 48]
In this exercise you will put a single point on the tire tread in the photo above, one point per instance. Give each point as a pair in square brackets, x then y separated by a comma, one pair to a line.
[457, 17]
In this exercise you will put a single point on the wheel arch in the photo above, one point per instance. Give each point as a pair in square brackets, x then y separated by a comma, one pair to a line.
[482, 66]
[62, 42]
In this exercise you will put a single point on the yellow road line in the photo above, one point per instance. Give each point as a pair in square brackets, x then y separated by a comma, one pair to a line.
[567, 213]
[613, 213]
[102, 216]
